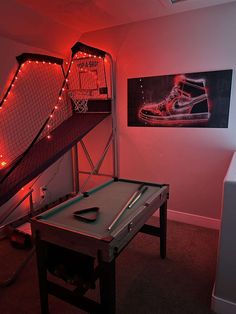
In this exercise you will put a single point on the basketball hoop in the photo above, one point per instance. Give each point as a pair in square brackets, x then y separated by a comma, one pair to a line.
[80, 103]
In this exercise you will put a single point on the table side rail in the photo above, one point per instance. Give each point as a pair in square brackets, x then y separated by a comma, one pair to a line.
[133, 226]
[160, 185]
[65, 238]
[46, 214]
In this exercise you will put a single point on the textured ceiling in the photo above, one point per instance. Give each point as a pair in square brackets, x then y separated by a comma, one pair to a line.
[56, 24]
[90, 15]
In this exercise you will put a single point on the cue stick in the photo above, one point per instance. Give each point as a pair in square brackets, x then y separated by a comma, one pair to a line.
[138, 196]
[132, 200]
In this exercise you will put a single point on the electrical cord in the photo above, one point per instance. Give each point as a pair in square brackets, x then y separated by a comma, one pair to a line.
[11, 280]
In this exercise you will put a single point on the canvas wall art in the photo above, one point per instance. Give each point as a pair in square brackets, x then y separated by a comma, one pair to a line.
[183, 100]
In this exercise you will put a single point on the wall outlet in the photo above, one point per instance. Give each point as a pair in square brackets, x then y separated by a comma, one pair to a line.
[43, 191]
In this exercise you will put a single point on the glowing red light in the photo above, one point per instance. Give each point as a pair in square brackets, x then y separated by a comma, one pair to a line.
[3, 164]
[48, 137]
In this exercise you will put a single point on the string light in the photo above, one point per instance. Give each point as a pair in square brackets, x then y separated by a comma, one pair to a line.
[66, 80]
[3, 164]
[142, 91]
[16, 77]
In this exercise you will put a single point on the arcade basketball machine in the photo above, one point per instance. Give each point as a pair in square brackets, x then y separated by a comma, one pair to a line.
[48, 108]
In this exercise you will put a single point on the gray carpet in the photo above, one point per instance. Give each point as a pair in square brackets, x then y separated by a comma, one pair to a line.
[180, 284]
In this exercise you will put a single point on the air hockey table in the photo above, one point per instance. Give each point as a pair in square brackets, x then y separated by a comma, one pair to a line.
[90, 247]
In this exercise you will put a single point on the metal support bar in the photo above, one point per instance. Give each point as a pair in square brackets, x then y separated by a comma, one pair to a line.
[87, 154]
[101, 174]
[98, 165]
[104, 154]
[114, 122]
[31, 204]
[11, 210]
[75, 169]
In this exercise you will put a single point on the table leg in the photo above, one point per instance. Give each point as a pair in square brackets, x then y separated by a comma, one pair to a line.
[41, 254]
[163, 229]
[108, 287]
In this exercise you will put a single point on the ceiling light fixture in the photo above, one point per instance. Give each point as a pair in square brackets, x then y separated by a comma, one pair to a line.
[176, 1]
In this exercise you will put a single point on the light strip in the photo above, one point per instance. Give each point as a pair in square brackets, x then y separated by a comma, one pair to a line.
[176, 1]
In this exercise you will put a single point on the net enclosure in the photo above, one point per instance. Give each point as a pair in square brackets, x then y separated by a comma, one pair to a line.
[47, 108]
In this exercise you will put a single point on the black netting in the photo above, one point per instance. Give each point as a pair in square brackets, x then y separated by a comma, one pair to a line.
[37, 125]
[31, 99]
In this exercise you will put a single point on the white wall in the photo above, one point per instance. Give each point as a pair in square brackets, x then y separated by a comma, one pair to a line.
[8, 64]
[193, 161]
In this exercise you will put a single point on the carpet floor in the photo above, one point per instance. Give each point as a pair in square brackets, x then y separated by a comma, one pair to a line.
[180, 284]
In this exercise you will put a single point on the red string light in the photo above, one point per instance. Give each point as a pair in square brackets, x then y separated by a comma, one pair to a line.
[16, 77]
[56, 107]
[2, 164]
[66, 80]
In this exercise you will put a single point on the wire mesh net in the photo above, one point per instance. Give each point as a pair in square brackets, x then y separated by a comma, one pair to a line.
[42, 97]
[31, 99]
[39, 104]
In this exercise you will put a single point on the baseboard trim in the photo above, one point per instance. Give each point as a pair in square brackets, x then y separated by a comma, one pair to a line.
[191, 219]
[222, 306]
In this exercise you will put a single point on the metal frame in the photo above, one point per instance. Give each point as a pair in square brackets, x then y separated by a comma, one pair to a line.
[112, 140]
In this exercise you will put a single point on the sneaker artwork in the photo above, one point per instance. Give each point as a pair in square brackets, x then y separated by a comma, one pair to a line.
[187, 104]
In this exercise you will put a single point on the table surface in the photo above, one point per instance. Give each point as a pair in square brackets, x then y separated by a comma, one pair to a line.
[110, 198]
